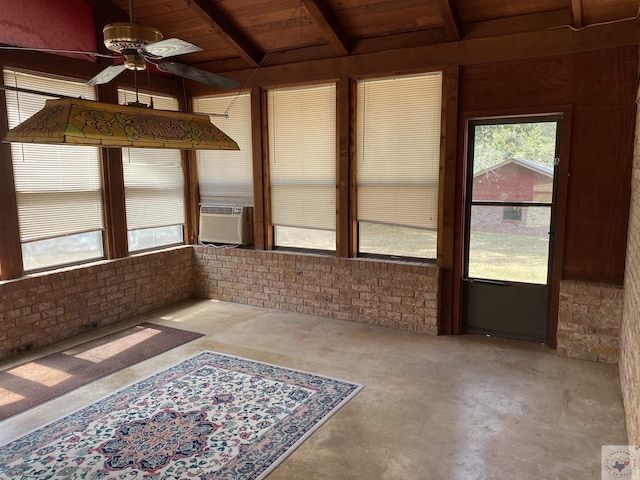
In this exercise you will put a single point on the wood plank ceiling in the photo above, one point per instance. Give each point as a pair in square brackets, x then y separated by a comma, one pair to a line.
[237, 34]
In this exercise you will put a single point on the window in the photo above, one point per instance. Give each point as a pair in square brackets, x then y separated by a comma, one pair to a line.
[398, 158]
[58, 187]
[226, 177]
[302, 148]
[512, 213]
[153, 187]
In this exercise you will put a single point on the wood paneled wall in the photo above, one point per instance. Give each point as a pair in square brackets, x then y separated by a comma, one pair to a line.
[601, 87]
[598, 85]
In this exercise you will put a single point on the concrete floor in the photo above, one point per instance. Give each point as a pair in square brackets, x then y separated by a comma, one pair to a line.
[467, 407]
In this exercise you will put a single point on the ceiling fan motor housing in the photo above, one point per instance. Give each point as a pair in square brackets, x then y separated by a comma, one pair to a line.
[129, 37]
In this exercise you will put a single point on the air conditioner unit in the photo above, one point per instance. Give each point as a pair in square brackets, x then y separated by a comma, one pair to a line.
[226, 224]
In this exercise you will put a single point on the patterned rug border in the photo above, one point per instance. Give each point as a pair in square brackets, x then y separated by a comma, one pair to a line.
[166, 374]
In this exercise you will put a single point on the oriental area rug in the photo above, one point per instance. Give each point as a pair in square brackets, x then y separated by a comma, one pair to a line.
[212, 416]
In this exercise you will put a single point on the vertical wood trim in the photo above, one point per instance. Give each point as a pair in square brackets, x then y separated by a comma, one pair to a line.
[343, 209]
[576, 10]
[10, 246]
[189, 159]
[115, 213]
[191, 196]
[459, 225]
[353, 168]
[259, 195]
[562, 188]
[448, 203]
[266, 175]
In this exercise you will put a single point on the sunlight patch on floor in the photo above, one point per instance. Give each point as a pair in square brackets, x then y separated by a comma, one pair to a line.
[7, 397]
[33, 372]
[111, 349]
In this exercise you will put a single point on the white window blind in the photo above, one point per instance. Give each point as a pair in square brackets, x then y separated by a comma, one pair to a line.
[58, 187]
[302, 147]
[226, 177]
[398, 150]
[153, 177]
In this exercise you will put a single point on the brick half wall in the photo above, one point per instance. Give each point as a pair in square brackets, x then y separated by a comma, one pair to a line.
[630, 335]
[41, 309]
[393, 294]
[589, 321]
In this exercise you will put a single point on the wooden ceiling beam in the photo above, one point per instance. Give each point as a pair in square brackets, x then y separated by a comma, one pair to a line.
[576, 7]
[108, 12]
[326, 20]
[318, 52]
[559, 41]
[450, 19]
[521, 23]
[223, 26]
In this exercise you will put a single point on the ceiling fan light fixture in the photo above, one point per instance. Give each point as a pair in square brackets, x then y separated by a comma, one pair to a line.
[134, 61]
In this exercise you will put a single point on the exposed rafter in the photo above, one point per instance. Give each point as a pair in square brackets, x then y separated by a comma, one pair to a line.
[213, 16]
[520, 23]
[576, 7]
[560, 41]
[108, 11]
[449, 15]
[327, 22]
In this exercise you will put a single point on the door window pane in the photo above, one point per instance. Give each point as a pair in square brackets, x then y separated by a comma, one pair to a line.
[514, 162]
[501, 249]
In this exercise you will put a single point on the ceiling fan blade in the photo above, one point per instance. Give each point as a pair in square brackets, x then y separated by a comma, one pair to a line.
[169, 48]
[202, 76]
[107, 75]
[55, 50]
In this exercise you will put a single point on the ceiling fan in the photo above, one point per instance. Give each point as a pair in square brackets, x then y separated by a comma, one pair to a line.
[139, 44]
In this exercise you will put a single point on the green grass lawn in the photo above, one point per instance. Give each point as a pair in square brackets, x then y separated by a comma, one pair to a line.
[494, 255]
[508, 256]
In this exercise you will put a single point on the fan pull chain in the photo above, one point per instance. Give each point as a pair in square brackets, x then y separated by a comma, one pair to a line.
[135, 83]
[253, 74]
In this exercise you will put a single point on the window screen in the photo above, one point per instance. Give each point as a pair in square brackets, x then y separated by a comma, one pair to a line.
[302, 148]
[154, 187]
[398, 158]
[226, 177]
[58, 187]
